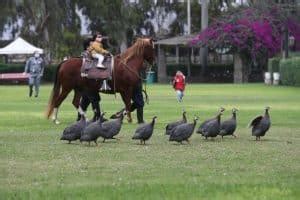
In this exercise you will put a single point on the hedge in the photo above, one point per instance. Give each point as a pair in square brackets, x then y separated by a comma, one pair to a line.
[215, 72]
[273, 64]
[290, 71]
[49, 70]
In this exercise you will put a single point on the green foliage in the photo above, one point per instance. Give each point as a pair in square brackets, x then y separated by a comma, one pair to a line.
[221, 73]
[44, 22]
[55, 26]
[290, 71]
[11, 68]
[294, 54]
[126, 20]
[273, 64]
[35, 164]
[70, 45]
[49, 73]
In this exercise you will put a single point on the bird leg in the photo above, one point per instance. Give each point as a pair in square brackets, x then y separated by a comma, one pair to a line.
[103, 140]
[89, 143]
[141, 142]
[144, 142]
[69, 142]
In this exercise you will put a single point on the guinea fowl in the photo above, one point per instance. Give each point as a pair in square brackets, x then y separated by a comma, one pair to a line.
[229, 126]
[172, 125]
[144, 131]
[183, 132]
[73, 132]
[203, 126]
[211, 127]
[112, 128]
[261, 124]
[92, 131]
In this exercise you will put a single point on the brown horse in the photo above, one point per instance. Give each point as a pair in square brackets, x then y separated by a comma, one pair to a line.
[125, 77]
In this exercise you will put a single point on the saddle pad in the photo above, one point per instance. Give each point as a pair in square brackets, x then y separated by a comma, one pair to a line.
[96, 73]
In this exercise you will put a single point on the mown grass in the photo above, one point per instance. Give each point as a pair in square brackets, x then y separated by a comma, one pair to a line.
[35, 164]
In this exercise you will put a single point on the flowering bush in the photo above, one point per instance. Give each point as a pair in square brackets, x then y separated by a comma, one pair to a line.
[252, 32]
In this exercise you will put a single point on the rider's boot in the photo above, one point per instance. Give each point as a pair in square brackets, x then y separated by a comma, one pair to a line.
[100, 65]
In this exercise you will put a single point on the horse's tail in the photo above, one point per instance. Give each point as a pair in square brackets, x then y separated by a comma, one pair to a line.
[54, 93]
[146, 96]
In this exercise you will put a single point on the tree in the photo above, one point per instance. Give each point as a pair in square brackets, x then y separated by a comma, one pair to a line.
[44, 23]
[254, 33]
[120, 20]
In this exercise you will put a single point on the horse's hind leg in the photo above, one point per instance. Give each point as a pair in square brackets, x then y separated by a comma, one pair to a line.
[57, 103]
[76, 99]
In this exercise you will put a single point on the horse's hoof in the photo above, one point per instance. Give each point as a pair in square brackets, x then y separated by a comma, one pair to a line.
[56, 122]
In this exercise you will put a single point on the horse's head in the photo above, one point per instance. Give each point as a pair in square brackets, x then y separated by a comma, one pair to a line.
[142, 48]
[149, 53]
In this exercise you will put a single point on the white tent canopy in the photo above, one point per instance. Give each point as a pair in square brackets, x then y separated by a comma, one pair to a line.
[20, 46]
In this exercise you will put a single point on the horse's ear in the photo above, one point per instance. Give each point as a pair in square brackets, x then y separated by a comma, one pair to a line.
[153, 39]
[136, 38]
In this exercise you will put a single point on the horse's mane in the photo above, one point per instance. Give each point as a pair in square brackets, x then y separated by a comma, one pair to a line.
[136, 50]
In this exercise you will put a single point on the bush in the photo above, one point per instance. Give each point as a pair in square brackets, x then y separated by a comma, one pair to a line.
[49, 71]
[290, 71]
[294, 54]
[11, 68]
[273, 64]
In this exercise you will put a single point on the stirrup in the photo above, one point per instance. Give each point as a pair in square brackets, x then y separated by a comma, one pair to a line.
[105, 86]
[84, 75]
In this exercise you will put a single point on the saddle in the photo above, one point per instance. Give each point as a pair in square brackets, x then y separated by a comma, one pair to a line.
[90, 71]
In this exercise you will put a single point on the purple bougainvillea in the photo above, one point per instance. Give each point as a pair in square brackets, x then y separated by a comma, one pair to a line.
[253, 32]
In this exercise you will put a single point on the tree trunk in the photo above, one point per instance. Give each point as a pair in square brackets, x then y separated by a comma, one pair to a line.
[161, 68]
[189, 63]
[204, 24]
[123, 45]
[240, 69]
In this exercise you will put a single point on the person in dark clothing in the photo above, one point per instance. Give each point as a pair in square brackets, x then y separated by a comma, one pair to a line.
[87, 98]
[137, 104]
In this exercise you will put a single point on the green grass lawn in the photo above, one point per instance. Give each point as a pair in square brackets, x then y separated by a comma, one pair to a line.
[35, 164]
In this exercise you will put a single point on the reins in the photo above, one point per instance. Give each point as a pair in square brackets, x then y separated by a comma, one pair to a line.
[140, 77]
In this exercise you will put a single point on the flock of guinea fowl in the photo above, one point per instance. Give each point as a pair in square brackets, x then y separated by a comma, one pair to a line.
[178, 131]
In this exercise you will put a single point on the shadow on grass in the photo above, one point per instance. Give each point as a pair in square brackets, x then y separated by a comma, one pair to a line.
[267, 140]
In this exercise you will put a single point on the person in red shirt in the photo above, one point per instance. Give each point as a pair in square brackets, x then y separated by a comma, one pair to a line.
[179, 85]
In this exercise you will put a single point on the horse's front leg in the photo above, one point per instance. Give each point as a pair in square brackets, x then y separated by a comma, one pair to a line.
[126, 96]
